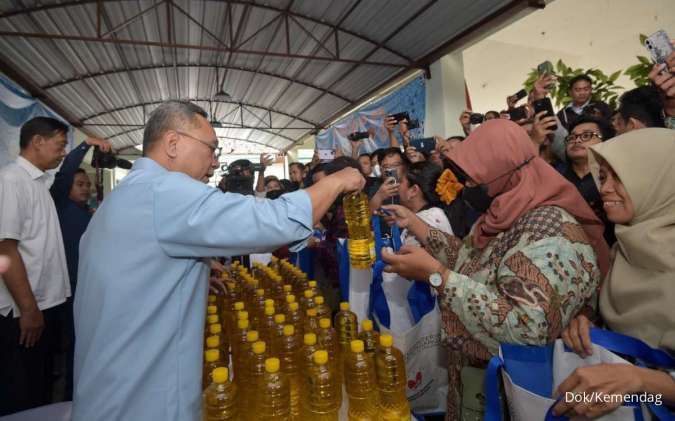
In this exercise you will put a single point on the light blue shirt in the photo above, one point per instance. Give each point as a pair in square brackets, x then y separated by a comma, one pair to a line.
[142, 286]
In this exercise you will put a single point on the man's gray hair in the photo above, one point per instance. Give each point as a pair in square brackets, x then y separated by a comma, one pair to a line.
[171, 115]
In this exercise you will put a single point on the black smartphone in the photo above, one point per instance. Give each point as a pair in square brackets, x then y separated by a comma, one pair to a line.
[519, 95]
[544, 104]
[400, 116]
[425, 145]
[517, 114]
[413, 124]
[358, 136]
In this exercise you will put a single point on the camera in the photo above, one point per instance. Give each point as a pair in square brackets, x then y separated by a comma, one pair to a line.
[239, 178]
[357, 136]
[476, 118]
[108, 160]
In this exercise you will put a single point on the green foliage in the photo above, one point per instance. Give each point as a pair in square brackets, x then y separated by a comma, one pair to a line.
[639, 72]
[604, 86]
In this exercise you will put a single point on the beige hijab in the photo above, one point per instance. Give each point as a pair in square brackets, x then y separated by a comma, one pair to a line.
[638, 296]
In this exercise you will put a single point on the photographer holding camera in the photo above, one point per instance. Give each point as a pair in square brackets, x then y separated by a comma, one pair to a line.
[71, 192]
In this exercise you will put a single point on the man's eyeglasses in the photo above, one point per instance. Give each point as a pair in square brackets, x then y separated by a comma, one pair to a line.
[584, 137]
[217, 150]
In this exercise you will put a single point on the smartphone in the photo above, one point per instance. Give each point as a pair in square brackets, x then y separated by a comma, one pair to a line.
[545, 68]
[425, 145]
[326, 155]
[400, 116]
[545, 104]
[358, 136]
[519, 95]
[517, 114]
[659, 46]
[391, 173]
[413, 124]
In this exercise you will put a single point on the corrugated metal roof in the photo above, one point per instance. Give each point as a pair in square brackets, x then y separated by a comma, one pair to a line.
[289, 66]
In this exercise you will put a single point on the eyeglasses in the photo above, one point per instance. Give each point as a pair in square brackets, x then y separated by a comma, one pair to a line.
[585, 137]
[217, 150]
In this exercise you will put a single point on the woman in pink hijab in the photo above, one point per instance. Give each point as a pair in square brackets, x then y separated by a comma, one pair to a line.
[532, 262]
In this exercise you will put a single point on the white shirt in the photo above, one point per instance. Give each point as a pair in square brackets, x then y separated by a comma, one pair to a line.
[578, 110]
[435, 218]
[28, 215]
[396, 287]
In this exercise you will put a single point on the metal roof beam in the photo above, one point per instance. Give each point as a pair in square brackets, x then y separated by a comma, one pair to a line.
[291, 140]
[167, 66]
[409, 61]
[143, 104]
[173, 45]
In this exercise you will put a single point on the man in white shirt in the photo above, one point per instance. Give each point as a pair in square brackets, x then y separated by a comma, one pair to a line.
[36, 283]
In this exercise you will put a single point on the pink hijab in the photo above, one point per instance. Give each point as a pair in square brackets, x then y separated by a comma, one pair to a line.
[498, 147]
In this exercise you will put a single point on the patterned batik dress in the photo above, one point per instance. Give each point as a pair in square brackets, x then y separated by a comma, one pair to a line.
[522, 288]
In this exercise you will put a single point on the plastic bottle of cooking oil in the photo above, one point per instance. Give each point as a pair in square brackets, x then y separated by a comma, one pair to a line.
[243, 315]
[309, 347]
[361, 384]
[211, 319]
[213, 342]
[289, 354]
[238, 343]
[275, 394]
[258, 308]
[347, 327]
[216, 330]
[361, 244]
[212, 309]
[322, 310]
[220, 398]
[312, 285]
[311, 321]
[370, 338]
[307, 300]
[277, 334]
[245, 352]
[212, 299]
[256, 369]
[211, 361]
[230, 318]
[266, 324]
[391, 381]
[290, 298]
[294, 317]
[327, 338]
[322, 398]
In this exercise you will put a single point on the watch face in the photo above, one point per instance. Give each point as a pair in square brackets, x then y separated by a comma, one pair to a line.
[435, 280]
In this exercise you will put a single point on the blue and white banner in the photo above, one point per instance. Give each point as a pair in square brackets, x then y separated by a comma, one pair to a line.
[17, 107]
[410, 98]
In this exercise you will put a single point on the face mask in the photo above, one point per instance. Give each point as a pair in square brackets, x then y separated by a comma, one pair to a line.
[477, 198]
[376, 171]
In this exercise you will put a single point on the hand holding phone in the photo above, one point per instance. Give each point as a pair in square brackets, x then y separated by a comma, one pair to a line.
[545, 105]
[545, 68]
[659, 46]
[326, 155]
[425, 145]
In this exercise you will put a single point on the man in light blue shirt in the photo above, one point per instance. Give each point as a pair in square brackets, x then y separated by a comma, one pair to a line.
[143, 270]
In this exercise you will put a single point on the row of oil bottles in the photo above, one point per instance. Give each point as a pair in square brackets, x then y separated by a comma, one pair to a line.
[272, 356]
